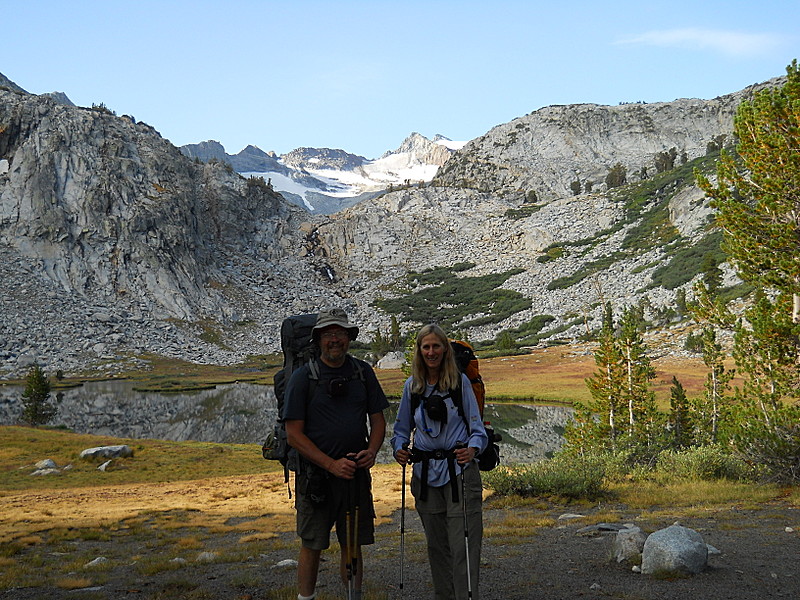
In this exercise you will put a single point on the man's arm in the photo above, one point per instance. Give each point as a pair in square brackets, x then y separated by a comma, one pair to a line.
[377, 432]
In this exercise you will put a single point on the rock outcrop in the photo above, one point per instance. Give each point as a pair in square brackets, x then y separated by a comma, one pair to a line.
[99, 210]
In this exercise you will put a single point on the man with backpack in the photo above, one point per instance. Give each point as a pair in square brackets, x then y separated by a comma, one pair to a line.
[334, 418]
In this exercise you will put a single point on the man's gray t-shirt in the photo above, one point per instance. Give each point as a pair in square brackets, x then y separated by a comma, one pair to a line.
[337, 424]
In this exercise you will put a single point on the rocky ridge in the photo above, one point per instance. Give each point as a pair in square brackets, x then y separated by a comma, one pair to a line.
[547, 151]
[99, 215]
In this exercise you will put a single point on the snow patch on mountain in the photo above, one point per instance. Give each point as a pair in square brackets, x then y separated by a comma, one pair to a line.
[326, 180]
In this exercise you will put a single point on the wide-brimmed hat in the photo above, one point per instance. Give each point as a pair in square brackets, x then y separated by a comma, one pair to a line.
[334, 316]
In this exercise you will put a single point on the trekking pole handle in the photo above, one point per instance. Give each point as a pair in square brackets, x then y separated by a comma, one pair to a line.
[460, 446]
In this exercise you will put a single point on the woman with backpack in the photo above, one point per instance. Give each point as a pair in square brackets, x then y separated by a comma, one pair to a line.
[439, 411]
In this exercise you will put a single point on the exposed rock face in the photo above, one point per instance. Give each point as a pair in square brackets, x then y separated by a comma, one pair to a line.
[421, 150]
[250, 159]
[323, 158]
[113, 210]
[10, 85]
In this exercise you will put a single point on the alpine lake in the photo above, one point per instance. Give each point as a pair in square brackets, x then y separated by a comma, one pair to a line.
[243, 413]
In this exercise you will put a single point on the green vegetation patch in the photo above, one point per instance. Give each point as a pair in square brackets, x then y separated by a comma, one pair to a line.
[587, 270]
[689, 261]
[574, 478]
[523, 212]
[439, 295]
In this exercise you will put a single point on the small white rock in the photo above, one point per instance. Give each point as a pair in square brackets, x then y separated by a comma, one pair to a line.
[568, 516]
[206, 557]
[285, 564]
[97, 561]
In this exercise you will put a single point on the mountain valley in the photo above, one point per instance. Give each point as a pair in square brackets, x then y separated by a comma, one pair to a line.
[115, 244]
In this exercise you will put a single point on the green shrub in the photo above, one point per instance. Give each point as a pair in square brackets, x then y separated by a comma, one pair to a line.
[689, 261]
[523, 212]
[617, 176]
[568, 477]
[701, 463]
[552, 252]
[585, 271]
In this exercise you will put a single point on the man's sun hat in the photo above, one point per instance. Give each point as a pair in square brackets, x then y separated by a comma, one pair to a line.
[333, 316]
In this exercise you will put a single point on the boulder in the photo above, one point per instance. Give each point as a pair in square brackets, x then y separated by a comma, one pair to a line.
[628, 544]
[392, 360]
[121, 451]
[674, 550]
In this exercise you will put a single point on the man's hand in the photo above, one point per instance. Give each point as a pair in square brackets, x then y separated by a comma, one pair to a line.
[344, 468]
[365, 459]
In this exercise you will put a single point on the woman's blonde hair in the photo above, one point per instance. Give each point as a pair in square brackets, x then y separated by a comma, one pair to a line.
[449, 375]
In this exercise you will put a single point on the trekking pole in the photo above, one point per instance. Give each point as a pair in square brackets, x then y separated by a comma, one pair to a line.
[351, 537]
[348, 556]
[466, 527]
[356, 545]
[403, 524]
[348, 543]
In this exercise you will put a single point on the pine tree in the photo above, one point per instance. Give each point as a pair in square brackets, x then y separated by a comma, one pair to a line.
[598, 423]
[764, 350]
[758, 199]
[711, 408]
[680, 420]
[395, 340]
[638, 372]
[37, 409]
[767, 423]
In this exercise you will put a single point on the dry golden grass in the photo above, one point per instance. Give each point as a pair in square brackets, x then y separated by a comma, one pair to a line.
[558, 374]
[210, 502]
[685, 494]
[74, 583]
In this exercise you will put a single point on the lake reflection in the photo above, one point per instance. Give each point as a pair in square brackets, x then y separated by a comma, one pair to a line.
[232, 413]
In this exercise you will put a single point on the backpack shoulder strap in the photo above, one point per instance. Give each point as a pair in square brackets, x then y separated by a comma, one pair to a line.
[416, 400]
[358, 369]
[313, 370]
[457, 395]
[313, 378]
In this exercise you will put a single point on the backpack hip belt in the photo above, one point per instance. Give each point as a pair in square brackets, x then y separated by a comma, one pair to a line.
[424, 457]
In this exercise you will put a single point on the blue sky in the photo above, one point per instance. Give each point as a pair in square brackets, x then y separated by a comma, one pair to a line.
[362, 75]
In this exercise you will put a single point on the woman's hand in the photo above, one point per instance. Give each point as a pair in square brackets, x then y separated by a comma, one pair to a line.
[465, 455]
[402, 456]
